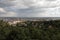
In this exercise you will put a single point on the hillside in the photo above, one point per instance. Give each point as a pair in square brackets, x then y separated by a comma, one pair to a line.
[30, 30]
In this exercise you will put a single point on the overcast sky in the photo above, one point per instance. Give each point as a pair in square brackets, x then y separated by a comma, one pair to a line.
[29, 8]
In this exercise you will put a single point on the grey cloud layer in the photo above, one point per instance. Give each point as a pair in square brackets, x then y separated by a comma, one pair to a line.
[30, 8]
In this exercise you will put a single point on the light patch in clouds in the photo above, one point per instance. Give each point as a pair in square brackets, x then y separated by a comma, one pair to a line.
[8, 14]
[2, 10]
[30, 8]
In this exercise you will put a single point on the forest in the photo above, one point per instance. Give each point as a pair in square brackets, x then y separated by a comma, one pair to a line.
[30, 30]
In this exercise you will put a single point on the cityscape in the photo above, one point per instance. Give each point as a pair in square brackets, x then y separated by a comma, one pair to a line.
[14, 20]
[29, 19]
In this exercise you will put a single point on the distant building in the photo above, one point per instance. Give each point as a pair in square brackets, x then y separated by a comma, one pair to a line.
[15, 22]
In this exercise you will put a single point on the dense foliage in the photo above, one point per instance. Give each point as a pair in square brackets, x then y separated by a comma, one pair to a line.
[30, 30]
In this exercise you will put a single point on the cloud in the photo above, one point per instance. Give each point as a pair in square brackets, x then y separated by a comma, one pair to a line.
[7, 14]
[6, 3]
[30, 8]
[50, 0]
[2, 10]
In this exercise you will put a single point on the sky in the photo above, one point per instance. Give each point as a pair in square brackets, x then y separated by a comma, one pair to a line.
[29, 8]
